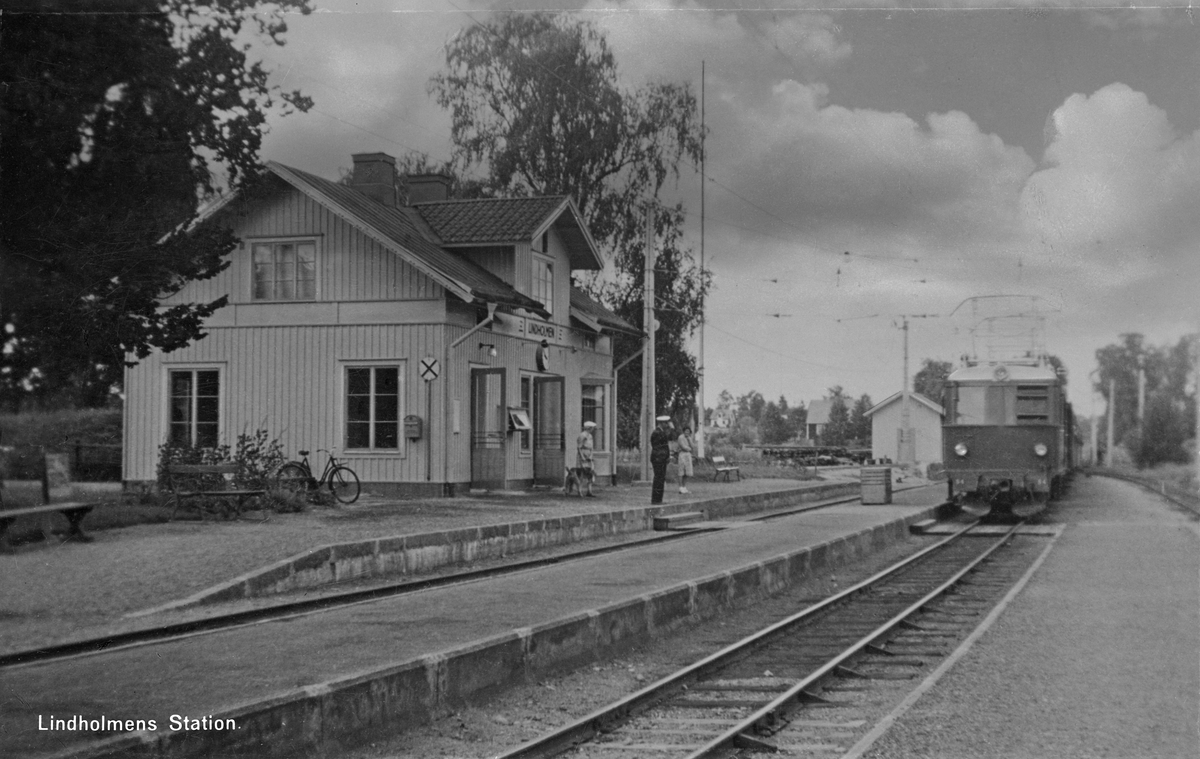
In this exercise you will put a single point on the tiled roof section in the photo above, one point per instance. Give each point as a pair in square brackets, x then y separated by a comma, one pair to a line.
[489, 220]
[405, 234]
[593, 311]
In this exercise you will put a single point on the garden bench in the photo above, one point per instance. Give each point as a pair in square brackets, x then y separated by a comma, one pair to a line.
[720, 467]
[74, 511]
[209, 484]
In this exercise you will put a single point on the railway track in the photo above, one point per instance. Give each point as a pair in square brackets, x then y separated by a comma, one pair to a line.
[807, 685]
[331, 601]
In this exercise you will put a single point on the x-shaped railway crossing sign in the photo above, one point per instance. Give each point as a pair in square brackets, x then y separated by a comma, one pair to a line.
[430, 368]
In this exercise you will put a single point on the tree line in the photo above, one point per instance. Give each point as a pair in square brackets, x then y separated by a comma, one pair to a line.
[1165, 431]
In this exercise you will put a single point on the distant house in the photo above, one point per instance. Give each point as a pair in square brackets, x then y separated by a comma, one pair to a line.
[818, 418]
[925, 419]
[722, 418]
[435, 347]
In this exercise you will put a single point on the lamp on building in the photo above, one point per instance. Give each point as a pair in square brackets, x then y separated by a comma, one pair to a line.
[491, 349]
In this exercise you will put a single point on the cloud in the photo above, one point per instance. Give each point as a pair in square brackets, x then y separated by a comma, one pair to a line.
[1119, 186]
[835, 167]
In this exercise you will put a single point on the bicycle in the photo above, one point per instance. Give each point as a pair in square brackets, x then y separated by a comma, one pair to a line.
[297, 476]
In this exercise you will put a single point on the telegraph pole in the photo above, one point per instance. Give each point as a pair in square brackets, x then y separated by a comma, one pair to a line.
[907, 453]
[1112, 404]
[649, 405]
[700, 367]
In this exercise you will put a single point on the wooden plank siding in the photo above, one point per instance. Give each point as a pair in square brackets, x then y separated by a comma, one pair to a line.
[289, 381]
[350, 265]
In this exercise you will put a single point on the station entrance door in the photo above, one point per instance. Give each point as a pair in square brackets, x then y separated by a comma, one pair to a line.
[488, 428]
[548, 432]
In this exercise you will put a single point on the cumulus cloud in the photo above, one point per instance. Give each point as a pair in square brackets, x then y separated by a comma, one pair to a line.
[1120, 186]
[835, 166]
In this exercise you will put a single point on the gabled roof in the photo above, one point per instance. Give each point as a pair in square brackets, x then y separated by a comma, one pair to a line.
[818, 411]
[494, 221]
[895, 397]
[394, 229]
[596, 317]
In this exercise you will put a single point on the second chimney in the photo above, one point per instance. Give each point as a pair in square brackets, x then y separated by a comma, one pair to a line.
[375, 176]
[428, 188]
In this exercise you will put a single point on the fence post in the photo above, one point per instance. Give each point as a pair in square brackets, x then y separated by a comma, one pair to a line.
[45, 476]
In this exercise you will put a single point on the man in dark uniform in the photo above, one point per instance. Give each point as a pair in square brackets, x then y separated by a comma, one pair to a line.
[660, 456]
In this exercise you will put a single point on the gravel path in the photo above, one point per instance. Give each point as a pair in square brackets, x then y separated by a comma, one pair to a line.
[1098, 657]
[55, 591]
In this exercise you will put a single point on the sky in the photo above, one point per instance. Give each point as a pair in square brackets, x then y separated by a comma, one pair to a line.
[863, 166]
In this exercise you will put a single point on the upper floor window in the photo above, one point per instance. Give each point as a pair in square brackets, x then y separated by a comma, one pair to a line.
[543, 283]
[285, 271]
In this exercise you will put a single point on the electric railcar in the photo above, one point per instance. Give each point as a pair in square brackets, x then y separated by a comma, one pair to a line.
[1007, 437]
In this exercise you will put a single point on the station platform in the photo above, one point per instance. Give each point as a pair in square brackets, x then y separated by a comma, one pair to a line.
[288, 687]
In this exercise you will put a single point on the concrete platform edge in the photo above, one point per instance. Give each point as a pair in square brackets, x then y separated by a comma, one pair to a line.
[349, 710]
[417, 553]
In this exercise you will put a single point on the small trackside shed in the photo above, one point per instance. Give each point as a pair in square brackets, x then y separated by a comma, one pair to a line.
[925, 418]
[436, 346]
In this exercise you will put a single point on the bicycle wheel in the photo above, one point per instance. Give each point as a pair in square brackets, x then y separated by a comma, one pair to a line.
[343, 483]
[293, 478]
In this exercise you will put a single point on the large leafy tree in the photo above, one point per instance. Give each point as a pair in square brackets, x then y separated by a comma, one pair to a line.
[1168, 408]
[536, 105]
[931, 380]
[116, 126]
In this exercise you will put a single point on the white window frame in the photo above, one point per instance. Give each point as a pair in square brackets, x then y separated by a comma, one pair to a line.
[193, 369]
[537, 282]
[401, 366]
[253, 243]
[525, 438]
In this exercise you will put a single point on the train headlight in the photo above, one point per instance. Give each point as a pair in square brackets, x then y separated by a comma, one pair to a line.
[960, 449]
[1040, 449]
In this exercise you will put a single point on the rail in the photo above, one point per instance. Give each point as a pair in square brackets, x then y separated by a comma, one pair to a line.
[607, 719]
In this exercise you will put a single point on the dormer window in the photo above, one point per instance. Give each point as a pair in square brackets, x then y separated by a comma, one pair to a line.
[543, 282]
[285, 271]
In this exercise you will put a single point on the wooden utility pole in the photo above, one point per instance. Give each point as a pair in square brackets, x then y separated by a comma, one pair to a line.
[700, 364]
[1112, 405]
[648, 324]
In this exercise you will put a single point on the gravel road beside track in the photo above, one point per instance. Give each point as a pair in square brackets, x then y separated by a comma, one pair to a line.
[1098, 657]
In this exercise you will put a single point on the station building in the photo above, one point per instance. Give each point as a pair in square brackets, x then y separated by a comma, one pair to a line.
[435, 346]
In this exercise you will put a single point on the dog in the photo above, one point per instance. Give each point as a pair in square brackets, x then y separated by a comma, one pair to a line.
[574, 479]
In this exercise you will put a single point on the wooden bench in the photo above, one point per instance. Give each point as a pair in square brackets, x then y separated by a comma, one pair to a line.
[209, 484]
[720, 467]
[74, 511]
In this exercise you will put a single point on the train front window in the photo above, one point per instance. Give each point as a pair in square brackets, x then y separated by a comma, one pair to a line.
[980, 404]
[1033, 403]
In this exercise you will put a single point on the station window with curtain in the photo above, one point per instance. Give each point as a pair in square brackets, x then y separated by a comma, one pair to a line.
[195, 399]
[543, 282]
[595, 404]
[373, 411]
[285, 270]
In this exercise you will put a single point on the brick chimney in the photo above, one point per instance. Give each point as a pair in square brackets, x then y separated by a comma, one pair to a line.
[375, 176]
[428, 188]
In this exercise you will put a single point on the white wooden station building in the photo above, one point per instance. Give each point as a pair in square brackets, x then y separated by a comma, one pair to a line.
[435, 346]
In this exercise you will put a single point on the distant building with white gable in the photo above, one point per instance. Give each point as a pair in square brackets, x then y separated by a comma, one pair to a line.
[925, 418]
